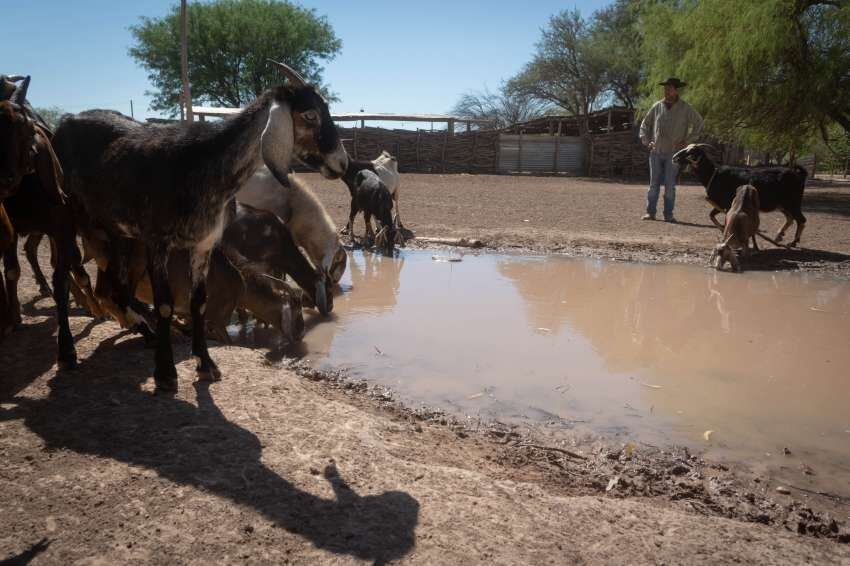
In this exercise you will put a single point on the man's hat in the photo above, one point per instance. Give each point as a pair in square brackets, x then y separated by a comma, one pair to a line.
[674, 82]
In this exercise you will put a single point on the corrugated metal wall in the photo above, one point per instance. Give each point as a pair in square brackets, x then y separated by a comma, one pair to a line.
[538, 154]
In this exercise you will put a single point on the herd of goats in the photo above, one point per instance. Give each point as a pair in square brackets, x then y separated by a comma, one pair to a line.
[204, 219]
[197, 220]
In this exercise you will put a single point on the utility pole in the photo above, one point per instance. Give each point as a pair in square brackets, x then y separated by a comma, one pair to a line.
[131, 110]
[184, 60]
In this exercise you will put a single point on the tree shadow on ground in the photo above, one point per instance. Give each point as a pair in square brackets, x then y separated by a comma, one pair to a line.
[197, 446]
[827, 202]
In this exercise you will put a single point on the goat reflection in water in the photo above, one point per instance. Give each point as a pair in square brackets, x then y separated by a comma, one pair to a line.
[200, 447]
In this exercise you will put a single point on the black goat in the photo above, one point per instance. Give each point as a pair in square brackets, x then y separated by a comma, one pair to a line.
[779, 188]
[371, 196]
[262, 240]
[168, 186]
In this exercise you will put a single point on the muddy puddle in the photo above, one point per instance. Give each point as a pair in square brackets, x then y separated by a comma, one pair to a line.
[655, 353]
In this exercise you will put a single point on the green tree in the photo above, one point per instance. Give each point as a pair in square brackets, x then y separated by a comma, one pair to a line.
[615, 39]
[767, 73]
[229, 42]
[564, 71]
[504, 107]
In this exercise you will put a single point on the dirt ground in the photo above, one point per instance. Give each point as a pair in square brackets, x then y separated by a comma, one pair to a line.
[280, 464]
[600, 218]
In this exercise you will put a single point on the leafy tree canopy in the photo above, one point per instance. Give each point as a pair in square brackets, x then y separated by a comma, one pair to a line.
[229, 42]
[769, 74]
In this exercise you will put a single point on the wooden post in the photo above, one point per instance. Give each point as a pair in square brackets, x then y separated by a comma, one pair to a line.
[131, 109]
[609, 122]
[474, 146]
[557, 149]
[450, 127]
[498, 152]
[355, 143]
[418, 138]
[445, 143]
[184, 60]
[519, 160]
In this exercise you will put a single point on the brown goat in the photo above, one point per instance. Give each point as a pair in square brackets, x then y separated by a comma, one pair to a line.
[742, 225]
[33, 200]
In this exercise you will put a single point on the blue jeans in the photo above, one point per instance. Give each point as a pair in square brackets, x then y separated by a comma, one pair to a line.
[662, 169]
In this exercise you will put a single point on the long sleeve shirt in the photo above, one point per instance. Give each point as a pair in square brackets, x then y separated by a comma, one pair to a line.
[669, 127]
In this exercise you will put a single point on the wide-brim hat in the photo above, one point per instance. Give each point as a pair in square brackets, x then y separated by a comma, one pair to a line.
[674, 82]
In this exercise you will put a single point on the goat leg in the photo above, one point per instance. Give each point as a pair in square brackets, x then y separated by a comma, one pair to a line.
[7, 241]
[165, 374]
[788, 220]
[65, 245]
[12, 275]
[713, 217]
[801, 225]
[349, 228]
[31, 251]
[370, 234]
[206, 369]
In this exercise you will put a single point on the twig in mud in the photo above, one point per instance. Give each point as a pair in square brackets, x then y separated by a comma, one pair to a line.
[378, 351]
[833, 496]
[772, 241]
[245, 477]
[552, 448]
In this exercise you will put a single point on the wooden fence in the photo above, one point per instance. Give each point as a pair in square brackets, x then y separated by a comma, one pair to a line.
[614, 154]
[427, 152]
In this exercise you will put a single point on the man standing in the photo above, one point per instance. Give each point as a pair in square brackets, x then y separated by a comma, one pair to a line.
[669, 126]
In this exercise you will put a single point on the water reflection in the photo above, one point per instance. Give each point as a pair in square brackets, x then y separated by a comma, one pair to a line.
[665, 352]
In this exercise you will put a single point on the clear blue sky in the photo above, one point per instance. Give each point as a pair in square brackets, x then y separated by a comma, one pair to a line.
[413, 57]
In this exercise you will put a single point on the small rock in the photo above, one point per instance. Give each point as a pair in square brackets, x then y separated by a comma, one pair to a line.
[248, 529]
[314, 471]
[417, 428]
[612, 483]
[786, 451]
[783, 490]
[679, 469]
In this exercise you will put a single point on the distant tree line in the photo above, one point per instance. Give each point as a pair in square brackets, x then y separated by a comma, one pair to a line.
[772, 74]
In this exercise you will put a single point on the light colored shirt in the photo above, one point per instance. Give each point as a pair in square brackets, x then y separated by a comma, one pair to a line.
[669, 127]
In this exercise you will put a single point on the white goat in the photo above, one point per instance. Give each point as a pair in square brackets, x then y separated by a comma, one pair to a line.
[300, 209]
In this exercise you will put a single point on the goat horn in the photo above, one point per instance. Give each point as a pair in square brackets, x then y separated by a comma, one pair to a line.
[14, 78]
[20, 94]
[289, 73]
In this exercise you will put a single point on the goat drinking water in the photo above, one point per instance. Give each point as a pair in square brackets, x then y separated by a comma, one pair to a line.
[779, 188]
[168, 186]
[742, 224]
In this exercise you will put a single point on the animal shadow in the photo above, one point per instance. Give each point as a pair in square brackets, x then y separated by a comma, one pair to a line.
[199, 447]
[770, 259]
[26, 556]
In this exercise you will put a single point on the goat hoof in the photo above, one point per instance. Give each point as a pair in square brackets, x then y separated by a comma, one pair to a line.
[67, 364]
[211, 373]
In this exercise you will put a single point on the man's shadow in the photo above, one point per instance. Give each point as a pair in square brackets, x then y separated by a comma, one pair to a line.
[198, 446]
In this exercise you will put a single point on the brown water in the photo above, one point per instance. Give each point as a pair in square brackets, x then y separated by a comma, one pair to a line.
[658, 353]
